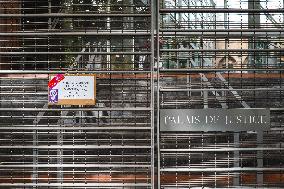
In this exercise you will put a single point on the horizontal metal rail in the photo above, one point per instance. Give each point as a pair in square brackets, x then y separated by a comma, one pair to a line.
[217, 89]
[73, 71]
[89, 165]
[205, 69]
[113, 185]
[75, 109]
[75, 53]
[71, 117]
[76, 171]
[262, 30]
[87, 126]
[64, 15]
[71, 127]
[77, 147]
[79, 133]
[221, 34]
[204, 149]
[218, 10]
[85, 33]
[115, 141]
[78, 155]
[233, 169]
[223, 50]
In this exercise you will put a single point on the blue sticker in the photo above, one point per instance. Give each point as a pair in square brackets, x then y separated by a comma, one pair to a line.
[53, 96]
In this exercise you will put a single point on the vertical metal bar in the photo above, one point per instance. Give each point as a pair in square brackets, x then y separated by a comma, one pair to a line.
[226, 24]
[253, 22]
[35, 158]
[188, 78]
[35, 143]
[259, 156]
[236, 178]
[205, 99]
[59, 157]
[204, 93]
[152, 93]
[254, 18]
[49, 12]
[108, 40]
[60, 139]
[226, 40]
[158, 92]
[130, 26]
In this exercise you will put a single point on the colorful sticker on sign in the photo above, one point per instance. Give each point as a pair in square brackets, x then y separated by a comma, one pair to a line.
[53, 96]
[52, 83]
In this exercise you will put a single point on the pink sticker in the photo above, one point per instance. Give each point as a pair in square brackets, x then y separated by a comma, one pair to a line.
[52, 83]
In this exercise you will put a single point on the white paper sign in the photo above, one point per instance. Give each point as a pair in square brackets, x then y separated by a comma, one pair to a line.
[74, 90]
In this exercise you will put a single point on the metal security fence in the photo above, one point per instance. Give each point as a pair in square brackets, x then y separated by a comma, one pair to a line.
[198, 54]
[107, 145]
[221, 54]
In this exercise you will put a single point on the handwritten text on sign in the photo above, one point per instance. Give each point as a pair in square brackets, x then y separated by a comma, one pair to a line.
[74, 90]
[214, 120]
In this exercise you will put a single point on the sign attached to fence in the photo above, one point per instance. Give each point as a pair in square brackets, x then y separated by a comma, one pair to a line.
[72, 89]
[214, 120]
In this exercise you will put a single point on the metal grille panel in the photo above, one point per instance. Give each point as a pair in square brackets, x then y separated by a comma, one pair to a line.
[221, 54]
[107, 145]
